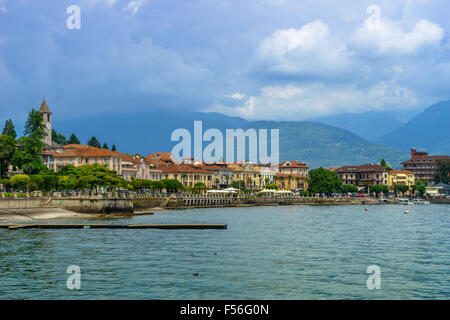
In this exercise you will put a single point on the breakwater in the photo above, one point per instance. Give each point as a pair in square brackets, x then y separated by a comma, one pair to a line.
[105, 203]
[205, 201]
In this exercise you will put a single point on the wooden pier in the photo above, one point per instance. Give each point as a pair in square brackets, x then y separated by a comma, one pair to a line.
[112, 226]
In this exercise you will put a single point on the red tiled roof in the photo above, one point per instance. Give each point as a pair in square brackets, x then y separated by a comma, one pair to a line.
[213, 167]
[78, 146]
[92, 152]
[363, 168]
[293, 164]
[164, 156]
[181, 168]
[400, 171]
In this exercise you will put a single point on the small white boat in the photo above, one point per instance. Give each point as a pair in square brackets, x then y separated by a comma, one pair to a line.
[403, 201]
[382, 201]
[419, 201]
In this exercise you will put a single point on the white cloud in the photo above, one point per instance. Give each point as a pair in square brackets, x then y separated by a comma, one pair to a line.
[108, 3]
[300, 102]
[236, 96]
[311, 71]
[309, 50]
[381, 36]
[134, 6]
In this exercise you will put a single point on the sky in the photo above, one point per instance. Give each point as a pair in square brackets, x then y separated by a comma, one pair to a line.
[257, 59]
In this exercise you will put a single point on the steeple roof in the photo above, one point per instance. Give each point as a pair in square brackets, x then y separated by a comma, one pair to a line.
[44, 107]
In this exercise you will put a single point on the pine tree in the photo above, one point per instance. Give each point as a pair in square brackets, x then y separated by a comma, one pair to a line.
[34, 127]
[105, 146]
[73, 139]
[59, 138]
[93, 142]
[31, 145]
[114, 148]
[9, 129]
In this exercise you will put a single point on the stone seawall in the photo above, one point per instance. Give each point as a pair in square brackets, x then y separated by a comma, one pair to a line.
[174, 202]
[79, 205]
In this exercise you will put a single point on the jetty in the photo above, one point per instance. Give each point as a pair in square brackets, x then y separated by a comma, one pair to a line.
[111, 226]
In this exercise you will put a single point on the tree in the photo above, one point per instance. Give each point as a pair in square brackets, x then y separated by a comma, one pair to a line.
[59, 138]
[105, 146]
[324, 181]
[442, 173]
[423, 182]
[93, 142]
[9, 129]
[38, 180]
[158, 185]
[420, 189]
[113, 148]
[271, 186]
[34, 127]
[401, 188]
[7, 151]
[31, 145]
[239, 184]
[349, 188]
[377, 189]
[20, 181]
[385, 165]
[67, 183]
[140, 184]
[200, 186]
[172, 184]
[73, 139]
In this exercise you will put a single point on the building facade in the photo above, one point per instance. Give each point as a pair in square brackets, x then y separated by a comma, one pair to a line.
[401, 177]
[363, 176]
[422, 164]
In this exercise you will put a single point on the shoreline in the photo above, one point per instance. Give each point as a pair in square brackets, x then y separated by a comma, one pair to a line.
[23, 215]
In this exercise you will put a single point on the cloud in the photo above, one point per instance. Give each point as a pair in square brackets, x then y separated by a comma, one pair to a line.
[101, 68]
[381, 36]
[236, 96]
[300, 102]
[134, 6]
[379, 64]
[307, 51]
[108, 3]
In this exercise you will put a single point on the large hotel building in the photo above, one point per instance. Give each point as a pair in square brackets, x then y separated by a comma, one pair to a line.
[422, 164]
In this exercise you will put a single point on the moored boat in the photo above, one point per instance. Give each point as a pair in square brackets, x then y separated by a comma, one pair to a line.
[403, 201]
[419, 201]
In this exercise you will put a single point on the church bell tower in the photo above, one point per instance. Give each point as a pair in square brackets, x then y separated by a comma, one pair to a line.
[47, 116]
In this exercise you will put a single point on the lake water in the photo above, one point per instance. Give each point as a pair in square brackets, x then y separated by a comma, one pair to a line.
[286, 252]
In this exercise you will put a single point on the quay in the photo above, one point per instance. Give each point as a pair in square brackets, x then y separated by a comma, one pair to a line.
[112, 226]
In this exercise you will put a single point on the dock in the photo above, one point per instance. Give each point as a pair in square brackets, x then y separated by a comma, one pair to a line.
[112, 226]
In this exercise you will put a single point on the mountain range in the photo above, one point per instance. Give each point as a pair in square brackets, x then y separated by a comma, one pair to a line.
[428, 131]
[354, 139]
[314, 143]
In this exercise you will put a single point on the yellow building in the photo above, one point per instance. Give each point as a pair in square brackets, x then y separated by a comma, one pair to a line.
[401, 177]
[292, 175]
[293, 182]
[244, 172]
[188, 175]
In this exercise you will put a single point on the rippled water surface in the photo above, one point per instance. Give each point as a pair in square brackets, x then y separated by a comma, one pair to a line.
[291, 252]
